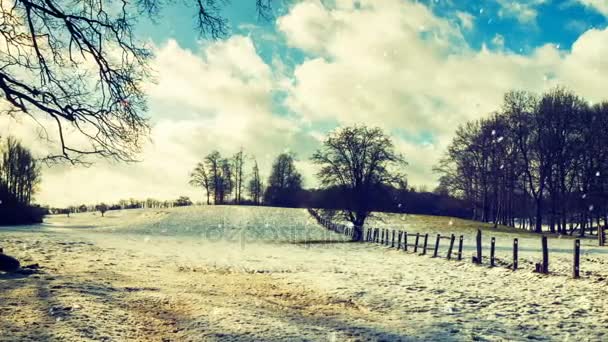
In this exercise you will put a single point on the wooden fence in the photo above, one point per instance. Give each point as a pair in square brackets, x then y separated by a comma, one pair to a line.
[399, 240]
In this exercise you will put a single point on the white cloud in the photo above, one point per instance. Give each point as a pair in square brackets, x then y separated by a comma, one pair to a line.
[524, 11]
[599, 5]
[498, 41]
[466, 20]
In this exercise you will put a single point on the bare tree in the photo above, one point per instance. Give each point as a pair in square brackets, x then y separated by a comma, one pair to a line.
[76, 65]
[255, 185]
[358, 160]
[199, 177]
[238, 163]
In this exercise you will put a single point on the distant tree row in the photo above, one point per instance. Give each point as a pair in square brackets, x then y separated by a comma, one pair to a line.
[131, 203]
[540, 161]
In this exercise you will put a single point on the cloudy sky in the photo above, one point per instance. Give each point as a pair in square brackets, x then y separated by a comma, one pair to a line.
[415, 68]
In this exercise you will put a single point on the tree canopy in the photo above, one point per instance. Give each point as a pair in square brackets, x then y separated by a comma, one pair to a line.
[359, 160]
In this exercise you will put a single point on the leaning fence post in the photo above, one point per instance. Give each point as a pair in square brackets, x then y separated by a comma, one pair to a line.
[477, 259]
[452, 238]
[426, 239]
[405, 241]
[577, 259]
[492, 250]
[515, 250]
[416, 242]
[460, 241]
[436, 246]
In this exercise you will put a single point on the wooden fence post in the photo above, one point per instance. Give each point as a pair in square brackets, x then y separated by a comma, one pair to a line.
[601, 236]
[452, 239]
[405, 241]
[393, 240]
[460, 242]
[545, 266]
[382, 237]
[577, 259]
[399, 240]
[426, 239]
[477, 259]
[416, 243]
[492, 251]
[436, 246]
[515, 250]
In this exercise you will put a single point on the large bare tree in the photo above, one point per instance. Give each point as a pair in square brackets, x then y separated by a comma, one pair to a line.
[76, 68]
[358, 160]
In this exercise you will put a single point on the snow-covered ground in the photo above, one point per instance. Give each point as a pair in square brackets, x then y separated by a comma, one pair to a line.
[246, 273]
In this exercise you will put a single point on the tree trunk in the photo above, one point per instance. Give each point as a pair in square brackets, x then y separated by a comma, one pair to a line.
[358, 233]
[539, 216]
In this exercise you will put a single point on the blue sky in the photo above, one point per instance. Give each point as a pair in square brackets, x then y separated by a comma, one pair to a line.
[415, 69]
[558, 22]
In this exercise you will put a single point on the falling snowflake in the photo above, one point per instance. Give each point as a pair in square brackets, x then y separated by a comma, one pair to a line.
[597, 174]
[493, 132]
[451, 223]
[499, 139]
[591, 207]
[584, 196]
[399, 205]
[502, 166]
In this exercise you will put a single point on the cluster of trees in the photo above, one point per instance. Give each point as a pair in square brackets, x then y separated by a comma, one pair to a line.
[224, 180]
[539, 162]
[19, 179]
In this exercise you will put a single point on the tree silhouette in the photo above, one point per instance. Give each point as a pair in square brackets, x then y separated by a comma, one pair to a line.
[284, 183]
[199, 177]
[102, 208]
[255, 185]
[358, 160]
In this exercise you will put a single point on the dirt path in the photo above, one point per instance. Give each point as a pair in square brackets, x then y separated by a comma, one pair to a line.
[85, 292]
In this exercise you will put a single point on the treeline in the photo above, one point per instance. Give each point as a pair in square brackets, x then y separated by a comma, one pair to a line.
[540, 162]
[19, 179]
[225, 180]
[131, 203]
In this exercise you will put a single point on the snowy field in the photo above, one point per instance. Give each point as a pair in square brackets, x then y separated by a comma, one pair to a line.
[246, 273]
